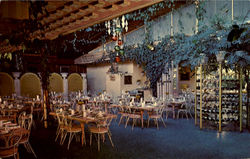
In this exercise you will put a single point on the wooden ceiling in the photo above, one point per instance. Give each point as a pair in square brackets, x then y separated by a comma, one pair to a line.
[69, 16]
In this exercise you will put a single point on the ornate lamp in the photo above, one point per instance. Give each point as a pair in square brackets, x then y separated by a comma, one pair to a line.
[220, 56]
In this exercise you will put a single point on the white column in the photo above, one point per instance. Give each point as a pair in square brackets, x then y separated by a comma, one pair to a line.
[164, 79]
[84, 82]
[41, 83]
[65, 86]
[177, 79]
[17, 83]
[171, 79]
[158, 89]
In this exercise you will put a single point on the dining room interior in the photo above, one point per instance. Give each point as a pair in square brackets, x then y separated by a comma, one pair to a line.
[125, 79]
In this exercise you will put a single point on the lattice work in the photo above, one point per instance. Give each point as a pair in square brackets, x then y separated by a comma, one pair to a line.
[68, 16]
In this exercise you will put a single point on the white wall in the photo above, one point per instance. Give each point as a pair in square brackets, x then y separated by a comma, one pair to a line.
[136, 75]
[113, 87]
[96, 77]
[99, 80]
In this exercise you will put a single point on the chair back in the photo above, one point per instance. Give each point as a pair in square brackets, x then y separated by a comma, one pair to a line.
[10, 141]
[27, 121]
[21, 118]
[104, 122]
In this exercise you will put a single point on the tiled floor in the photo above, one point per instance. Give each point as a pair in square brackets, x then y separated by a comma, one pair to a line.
[181, 139]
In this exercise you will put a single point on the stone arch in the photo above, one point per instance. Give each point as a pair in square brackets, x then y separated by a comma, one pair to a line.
[30, 85]
[55, 83]
[7, 87]
[74, 82]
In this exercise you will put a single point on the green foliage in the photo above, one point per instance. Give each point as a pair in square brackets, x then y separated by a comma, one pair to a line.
[188, 50]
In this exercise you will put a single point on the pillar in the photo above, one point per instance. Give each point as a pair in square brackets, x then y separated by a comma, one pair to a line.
[17, 83]
[164, 79]
[41, 84]
[84, 83]
[65, 86]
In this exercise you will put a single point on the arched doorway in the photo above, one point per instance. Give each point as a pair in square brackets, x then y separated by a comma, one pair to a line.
[30, 85]
[74, 82]
[6, 84]
[55, 83]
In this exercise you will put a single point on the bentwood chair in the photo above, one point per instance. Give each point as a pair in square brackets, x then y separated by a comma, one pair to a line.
[9, 144]
[156, 115]
[123, 111]
[71, 129]
[26, 123]
[134, 116]
[101, 127]
[186, 108]
[60, 127]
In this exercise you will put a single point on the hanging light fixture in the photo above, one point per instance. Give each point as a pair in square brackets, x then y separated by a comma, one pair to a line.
[116, 27]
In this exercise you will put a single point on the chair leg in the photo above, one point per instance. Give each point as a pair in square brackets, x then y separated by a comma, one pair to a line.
[110, 139]
[120, 120]
[31, 149]
[156, 121]
[127, 122]
[167, 114]
[26, 147]
[190, 114]
[178, 114]
[58, 133]
[64, 138]
[148, 121]
[163, 122]
[98, 142]
[17, 155]
[103, 138]
[186, 115]
[70, 139]
[90, 139]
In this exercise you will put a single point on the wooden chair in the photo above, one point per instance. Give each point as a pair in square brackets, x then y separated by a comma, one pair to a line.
[168, 108]
[9, 144]
[101, 127]
[186, 108]
[134, 116]
[26, 124]
[123, 114]
[157, 115]
[70, 128]
[60, 128]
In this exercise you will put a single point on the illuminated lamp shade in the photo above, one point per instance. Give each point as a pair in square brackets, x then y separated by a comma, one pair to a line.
[120, 42]
[150, 47]
[117, 59]
[114, 38]
[220, 56]
[121, 52]
[117, 48]
[118, 29]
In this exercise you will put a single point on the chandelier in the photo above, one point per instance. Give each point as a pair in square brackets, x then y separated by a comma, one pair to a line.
[116, 27]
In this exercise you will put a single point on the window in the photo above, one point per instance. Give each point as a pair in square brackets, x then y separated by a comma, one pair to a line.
[128, 79]
[184, 73]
